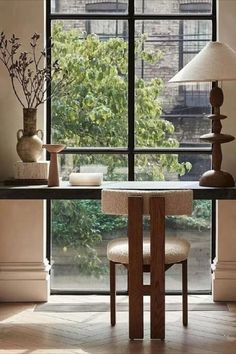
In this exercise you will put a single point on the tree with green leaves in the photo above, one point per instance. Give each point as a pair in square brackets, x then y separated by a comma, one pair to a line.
[94, 113]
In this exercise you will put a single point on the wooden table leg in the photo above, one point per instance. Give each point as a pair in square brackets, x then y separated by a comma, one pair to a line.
[135, 279]
[157, 235]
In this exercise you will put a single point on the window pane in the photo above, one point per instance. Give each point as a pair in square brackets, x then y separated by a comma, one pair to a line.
[113, 167]
[173, 6]
[196, 229]
[81, 233]
[199, 165]
[93, 112]
[89, 6]
[169, 115]
[171, 167]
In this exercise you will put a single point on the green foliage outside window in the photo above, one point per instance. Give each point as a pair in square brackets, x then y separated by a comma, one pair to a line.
[199, 220]
[95, 110]
[94, 113]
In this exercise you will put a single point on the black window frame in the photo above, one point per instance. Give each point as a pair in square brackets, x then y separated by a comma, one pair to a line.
[131, 17]
[131, 150]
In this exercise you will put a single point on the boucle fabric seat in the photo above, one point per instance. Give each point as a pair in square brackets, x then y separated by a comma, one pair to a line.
[168, 250]
[176, 250]
[177, 202]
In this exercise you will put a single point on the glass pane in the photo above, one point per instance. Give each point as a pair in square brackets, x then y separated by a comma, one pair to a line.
[171, 167]
[173, 6]
[196, 229]
[199, 165]
[113, 167]
[92, 109]
[117, 7]
[169, 115]
[81, 232]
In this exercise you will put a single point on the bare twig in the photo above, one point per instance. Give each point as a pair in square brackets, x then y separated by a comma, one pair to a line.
[28, 70]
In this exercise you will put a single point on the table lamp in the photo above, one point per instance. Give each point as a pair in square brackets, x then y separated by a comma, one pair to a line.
[215, 62]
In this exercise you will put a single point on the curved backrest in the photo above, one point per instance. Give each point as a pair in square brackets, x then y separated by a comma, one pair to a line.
[177, 202]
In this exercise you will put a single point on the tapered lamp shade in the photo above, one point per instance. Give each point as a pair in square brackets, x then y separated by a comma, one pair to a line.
[215, 62]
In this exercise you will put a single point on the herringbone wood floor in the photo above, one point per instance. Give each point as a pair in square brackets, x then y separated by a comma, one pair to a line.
[29, 329]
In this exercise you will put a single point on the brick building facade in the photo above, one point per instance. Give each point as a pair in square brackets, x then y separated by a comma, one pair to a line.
[179, 40]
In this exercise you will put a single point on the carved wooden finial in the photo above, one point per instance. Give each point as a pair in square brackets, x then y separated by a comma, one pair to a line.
[216, 177]
[216, 97]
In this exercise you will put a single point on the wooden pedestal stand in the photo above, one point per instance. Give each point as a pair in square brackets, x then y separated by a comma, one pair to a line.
[216, 177]
[53, 149]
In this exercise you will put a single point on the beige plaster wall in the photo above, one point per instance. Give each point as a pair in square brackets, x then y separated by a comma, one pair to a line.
[21, 231]
[224, 275]
[227, 34]
[23, 266]
[22, 17]
[227, 210]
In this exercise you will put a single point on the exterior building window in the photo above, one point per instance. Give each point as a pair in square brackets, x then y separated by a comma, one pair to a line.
[195, 35]
[107, 29]
[122, 118]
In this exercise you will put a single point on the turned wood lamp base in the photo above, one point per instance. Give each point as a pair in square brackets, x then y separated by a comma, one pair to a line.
[216, 177]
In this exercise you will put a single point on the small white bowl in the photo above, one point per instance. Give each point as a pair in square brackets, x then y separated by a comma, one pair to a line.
[85, 179]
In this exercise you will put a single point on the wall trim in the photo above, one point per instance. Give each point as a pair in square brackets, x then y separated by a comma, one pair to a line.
[24, 281]
[224, 280]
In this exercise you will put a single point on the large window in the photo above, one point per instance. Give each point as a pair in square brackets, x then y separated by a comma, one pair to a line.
[120, 116]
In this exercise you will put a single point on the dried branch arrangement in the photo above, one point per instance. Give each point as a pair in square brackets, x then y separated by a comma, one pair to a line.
[29, 72]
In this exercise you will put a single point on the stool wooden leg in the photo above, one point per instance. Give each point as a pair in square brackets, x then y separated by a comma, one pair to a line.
[135, 278]
[113, 293]
[185, 291]
[157, 267]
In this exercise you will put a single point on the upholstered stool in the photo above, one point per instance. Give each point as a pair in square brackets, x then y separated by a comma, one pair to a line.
[176, 250]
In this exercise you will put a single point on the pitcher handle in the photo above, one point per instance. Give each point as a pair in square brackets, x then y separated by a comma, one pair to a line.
[19, 134]
[39, 132]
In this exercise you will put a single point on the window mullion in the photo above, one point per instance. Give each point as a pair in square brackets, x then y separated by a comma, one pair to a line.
[131, 91]
[48, 46]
